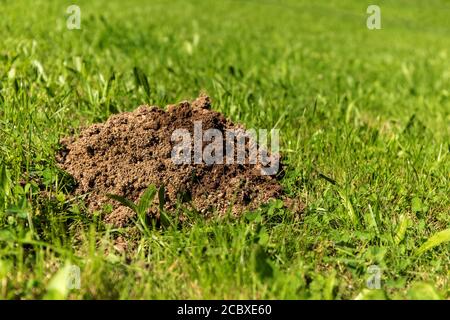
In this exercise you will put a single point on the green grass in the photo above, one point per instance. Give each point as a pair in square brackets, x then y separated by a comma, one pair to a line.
[365, 130]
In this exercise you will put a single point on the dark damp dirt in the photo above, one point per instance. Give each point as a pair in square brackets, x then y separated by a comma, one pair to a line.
[132, 150]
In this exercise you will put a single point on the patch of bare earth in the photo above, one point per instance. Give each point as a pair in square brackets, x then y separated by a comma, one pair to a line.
[132, 150]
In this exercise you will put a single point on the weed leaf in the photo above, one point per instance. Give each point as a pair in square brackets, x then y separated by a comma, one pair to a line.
[146, 200]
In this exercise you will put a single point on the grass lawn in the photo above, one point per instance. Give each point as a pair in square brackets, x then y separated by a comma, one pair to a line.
[364, 119]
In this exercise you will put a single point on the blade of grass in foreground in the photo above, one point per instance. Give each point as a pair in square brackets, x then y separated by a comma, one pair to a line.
[433, 241]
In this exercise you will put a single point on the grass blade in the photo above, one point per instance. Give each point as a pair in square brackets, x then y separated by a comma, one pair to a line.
[401, 231]
[124, 201]
[350, 210]
[5, 182]
[161, 197]
[433, 241]
[141, 80]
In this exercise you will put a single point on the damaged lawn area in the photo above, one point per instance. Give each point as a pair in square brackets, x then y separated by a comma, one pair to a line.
[364, 135]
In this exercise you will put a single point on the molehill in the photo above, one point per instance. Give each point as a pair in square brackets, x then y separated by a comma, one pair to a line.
[132, 150]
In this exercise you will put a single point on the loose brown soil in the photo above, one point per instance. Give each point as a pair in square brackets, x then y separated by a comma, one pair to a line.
[132, 150]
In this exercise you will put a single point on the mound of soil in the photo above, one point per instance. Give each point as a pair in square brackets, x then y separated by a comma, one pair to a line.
[132, 150]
